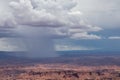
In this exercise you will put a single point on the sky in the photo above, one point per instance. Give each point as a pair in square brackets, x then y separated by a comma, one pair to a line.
[62, 24]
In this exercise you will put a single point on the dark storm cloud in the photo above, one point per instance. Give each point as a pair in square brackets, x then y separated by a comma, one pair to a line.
[41, 21]
[38, 13]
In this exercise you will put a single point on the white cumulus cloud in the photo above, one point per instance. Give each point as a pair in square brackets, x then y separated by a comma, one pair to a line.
[84, 35]
[71, 47]
[114, 37]
[55, 14]
[49, 18]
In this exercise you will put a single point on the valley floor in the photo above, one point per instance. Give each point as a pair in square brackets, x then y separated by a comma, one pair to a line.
[59, 72]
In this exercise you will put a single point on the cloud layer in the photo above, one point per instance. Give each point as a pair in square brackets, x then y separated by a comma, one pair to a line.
[104, 13]
[44, 20]
[59, 18]
[114, 37]
[71, 47]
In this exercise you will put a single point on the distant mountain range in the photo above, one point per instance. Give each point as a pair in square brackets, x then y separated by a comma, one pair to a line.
[69, 57]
